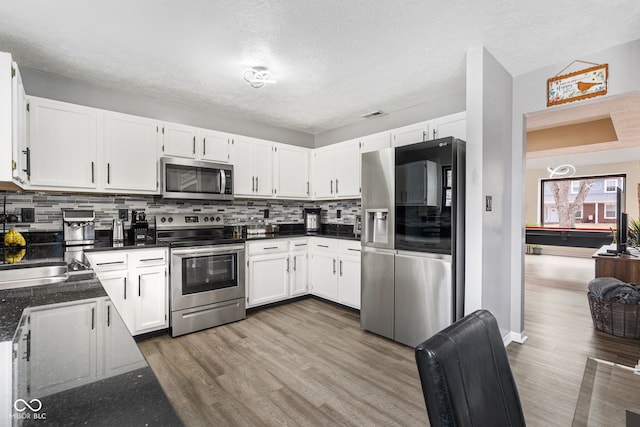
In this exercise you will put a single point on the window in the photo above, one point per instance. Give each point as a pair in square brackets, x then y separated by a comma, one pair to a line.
[610, 185]
[561, 197]
[575, 187]
[610, 211]
[579, 213]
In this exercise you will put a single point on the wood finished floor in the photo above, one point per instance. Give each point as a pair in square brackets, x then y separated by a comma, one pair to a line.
[308, 363]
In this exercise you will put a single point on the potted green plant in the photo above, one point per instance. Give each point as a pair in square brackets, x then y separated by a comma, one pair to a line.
[633, 238]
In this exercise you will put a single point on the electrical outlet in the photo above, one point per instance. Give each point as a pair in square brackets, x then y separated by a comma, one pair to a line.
[338, 213]
[123, 214]
[266, 213]
[28, 214]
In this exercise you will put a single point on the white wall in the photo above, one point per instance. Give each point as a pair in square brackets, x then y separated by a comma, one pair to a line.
[47, 85]
[489, 95]
[529, 95]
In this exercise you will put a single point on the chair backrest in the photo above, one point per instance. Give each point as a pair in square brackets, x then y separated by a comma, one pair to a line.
[465, 375]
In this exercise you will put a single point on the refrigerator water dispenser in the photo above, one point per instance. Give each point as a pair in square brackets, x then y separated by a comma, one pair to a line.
[377, 226]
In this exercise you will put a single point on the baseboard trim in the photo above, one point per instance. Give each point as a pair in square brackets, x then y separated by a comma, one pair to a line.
[512, 336]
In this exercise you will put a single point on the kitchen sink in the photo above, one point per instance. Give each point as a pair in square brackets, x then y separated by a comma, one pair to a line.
[20, 276]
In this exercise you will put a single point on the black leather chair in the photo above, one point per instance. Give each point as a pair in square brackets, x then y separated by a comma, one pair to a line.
[465, 375]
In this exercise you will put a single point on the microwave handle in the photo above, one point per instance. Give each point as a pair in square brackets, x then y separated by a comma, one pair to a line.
[223, 181]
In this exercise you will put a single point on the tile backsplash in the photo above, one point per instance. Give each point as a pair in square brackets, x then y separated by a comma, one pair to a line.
[49, 206]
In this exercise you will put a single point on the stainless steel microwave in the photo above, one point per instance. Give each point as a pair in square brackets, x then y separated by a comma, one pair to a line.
[193, 179]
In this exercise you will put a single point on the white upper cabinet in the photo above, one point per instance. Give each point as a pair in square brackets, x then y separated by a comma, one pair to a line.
[194, 143]
[336, 171]
[453, 125]
[130, 153]
[19, 127]
[179, 140]
[291, 171]
[215, 145]
[63, 142]
[347, 169]
[252, 161]
[411, 134]
[375, 142]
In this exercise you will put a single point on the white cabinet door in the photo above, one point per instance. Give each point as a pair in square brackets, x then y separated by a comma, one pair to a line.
[323, 275]
[262, 159]
[151, 298]
[268, 279]
[291, 171]
[299, 273]
[349, 281]
[411, 134]
[215, 145]
[453, 125]
[130, 147]
[63, 361]
[375, 142]
[63, 141]
[347, 169]
[179, 140]
[323, 173]
[244, 181]
[118, 360]
[118, 286]
[19, 128]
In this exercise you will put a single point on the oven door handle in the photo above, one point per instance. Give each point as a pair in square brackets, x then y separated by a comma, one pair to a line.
[182, 253]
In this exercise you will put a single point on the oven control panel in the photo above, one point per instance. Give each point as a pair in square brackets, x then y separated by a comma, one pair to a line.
[189, 220]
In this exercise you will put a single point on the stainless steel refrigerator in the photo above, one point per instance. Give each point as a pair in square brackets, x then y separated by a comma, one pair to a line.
[413, 239]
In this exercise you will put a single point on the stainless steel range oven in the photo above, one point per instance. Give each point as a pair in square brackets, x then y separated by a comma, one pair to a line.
[207, 280]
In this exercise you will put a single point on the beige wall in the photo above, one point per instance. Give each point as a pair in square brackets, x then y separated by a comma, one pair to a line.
[533, 177]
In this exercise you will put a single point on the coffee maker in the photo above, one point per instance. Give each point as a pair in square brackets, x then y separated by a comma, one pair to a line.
[312, 220]
[78, 227]
[139, 231]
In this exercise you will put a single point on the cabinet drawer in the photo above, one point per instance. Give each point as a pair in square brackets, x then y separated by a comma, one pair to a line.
[323, 244]
[109, 260]
[349, 247]
[267, 246]
[147, 258]
[299, 244]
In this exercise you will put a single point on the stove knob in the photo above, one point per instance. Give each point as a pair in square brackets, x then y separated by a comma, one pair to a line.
[206, 218]
[218, 219]
[170, 219]
[163, 219]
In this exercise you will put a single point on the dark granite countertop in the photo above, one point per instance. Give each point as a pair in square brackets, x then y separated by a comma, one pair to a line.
[64, 339]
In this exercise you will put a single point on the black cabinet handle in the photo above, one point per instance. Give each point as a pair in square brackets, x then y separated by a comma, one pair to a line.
[93, 318]
[93, 178]
[287, 265]
[204, 146]
[139, 286]
[108, 173]
[340, 267]
[256, 184]
[334, 266]
[108, 316]
[336, 186]
[27, 152]
[331, 186]
[125, 288]
[253, 184]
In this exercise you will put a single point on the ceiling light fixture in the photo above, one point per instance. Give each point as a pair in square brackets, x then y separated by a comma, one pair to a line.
[565, 170]
[257, 76]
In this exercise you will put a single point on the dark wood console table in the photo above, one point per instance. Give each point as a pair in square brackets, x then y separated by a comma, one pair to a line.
[623, 267]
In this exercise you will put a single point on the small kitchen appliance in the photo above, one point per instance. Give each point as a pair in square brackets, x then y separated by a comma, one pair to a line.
[139, 231]
[78, 227]
[312, 220]
[118, 231]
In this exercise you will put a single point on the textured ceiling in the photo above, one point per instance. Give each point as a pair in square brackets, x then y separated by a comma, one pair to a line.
[334, 59]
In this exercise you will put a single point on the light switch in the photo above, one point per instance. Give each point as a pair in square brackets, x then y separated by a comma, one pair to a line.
[488, 203]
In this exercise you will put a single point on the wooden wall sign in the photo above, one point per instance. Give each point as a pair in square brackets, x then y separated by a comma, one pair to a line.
[581, 84]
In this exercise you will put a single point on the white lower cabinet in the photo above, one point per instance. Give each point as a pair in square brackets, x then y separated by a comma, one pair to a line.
[277, 269]
[335, 270]
[54, 362]
[136, 281]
